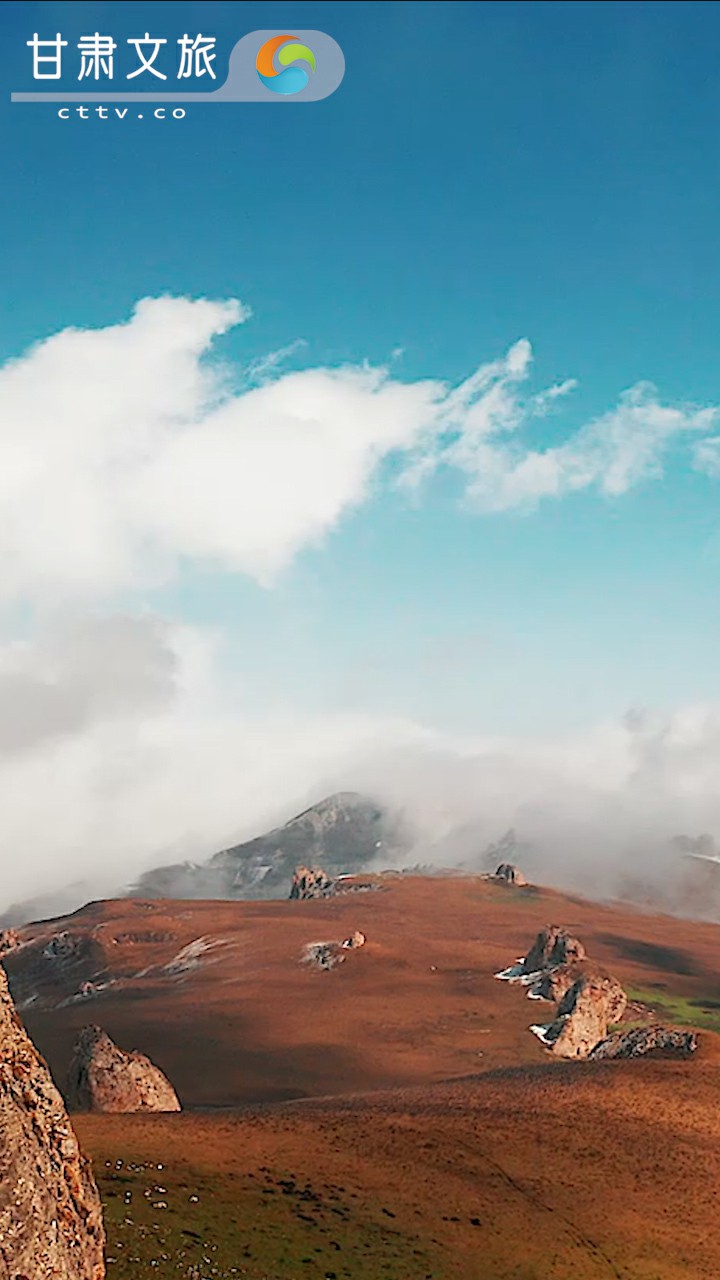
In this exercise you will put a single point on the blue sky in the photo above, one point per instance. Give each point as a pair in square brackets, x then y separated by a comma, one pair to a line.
[485, 173]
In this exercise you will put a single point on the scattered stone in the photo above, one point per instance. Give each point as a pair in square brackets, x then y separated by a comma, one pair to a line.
[103, 1077]
[50, 1212]
[644, 1041]
[310, 882]
[587, 1009]
[508, 873]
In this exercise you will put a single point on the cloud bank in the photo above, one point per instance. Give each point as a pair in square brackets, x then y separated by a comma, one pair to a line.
[122, 747]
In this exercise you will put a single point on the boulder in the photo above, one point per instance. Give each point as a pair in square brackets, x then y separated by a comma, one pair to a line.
[50, 1213]
[587, 1009]
[310, 882]
[553, 946]
[508, 873]
[644, 1041]
[356, 939]
[103, 1077]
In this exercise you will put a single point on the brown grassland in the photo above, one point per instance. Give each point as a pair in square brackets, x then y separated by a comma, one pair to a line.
[393, 1117]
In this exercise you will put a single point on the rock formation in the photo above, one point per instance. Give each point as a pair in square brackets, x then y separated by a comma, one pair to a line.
[644, 1041]
[508, 873]
[103, 1077]
[310, 882]
[587, 1009]
[553, 946]
[589, 1001]
[50, 1213]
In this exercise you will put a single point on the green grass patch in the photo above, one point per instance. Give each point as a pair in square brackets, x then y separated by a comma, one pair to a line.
[192, 1225]
[700, 1012]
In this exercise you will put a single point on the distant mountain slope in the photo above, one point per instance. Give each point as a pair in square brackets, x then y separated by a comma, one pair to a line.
[344, 832]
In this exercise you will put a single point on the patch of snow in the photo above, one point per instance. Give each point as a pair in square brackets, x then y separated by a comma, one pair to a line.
[541, 1031]
[190, 957]
[516, 973]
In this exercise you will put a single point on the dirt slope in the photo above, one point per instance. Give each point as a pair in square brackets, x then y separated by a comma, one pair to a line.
[567, 1173]
[216, 994]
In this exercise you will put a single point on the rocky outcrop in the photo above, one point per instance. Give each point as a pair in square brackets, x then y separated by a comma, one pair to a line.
[587, 1009]
[553, 946]
[50, 1213]
[508, 873]
[310, 882]
[589, 1002]
[103, 1077]
[642, 1042]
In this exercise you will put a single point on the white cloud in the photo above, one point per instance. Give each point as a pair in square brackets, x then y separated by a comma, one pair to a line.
[706, 456]
[127, 450]
[123, 450]
[612, 454]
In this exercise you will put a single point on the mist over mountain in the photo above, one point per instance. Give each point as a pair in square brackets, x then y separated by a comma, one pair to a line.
[346, 832]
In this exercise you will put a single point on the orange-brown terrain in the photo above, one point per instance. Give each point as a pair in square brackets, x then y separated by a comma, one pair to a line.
[392, 1116]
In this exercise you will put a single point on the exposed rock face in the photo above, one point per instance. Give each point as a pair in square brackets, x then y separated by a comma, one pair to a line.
[345, 832]
[9, 940]
[103, 1077]
[553, 946]
[510, 874]
[310, 882]
[585, 1012]
[554, 983]
[50, 1214]
[643, 1041]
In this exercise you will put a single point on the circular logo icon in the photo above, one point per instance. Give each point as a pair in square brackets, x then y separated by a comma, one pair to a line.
[287, 51]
